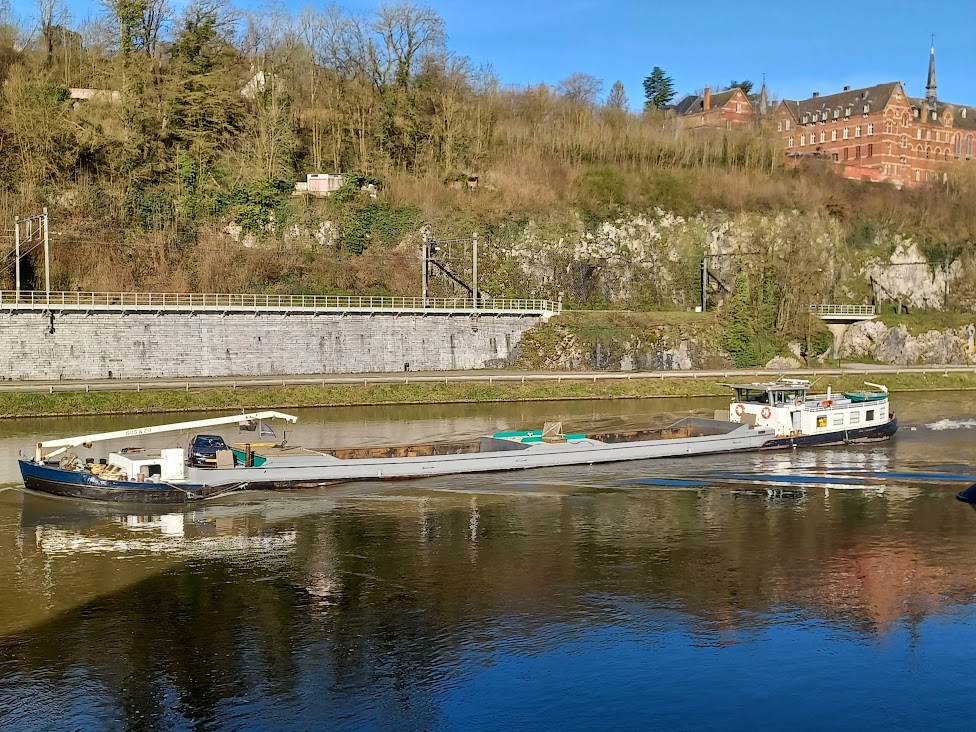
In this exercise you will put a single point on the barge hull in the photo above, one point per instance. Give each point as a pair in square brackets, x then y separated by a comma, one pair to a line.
[874, 433]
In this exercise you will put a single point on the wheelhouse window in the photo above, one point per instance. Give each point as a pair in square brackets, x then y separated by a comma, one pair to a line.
[869, 416]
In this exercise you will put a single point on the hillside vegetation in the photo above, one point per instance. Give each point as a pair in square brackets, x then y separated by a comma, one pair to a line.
[180, 176]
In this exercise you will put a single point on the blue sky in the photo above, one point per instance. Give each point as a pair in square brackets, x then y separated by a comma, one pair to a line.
[801, 48]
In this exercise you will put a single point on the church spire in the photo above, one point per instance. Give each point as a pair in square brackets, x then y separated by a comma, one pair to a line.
[930, 95]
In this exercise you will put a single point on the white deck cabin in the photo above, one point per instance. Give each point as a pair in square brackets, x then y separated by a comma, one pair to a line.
[789, 408]
[155, 466]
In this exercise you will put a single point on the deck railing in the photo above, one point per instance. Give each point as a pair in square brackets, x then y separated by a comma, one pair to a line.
[180, 301]
[842, 310]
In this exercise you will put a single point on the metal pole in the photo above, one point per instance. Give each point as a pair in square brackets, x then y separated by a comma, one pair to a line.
[474, 269]
[423, 272]
[47, 260]
[17, 255]
[704, 282]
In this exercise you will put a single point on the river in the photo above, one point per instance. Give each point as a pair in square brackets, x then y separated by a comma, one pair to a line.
[804, 589]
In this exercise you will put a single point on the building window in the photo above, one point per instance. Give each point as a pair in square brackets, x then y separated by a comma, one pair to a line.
[870, 149]
[789, 142]
[904, 140]
[889, 128]
[928, 134]
[845, 133]
[836, 157]
[833, 135]
[903, 160]
[789, 124]
[823, 137]
[857, 152]
[969, 146]
[867, 108]
[738, 107]
[837, 113]
[870, 130]
[803, 140]
[918, 175]
[918, 134]
[779, 126]
[857, 131]
[847, 153]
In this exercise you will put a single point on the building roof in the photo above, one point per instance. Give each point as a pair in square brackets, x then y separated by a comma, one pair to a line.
[963, 116]
[823, 107]
[694, 103]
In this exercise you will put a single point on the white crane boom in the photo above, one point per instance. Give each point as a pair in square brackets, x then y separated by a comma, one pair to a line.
[67, 442]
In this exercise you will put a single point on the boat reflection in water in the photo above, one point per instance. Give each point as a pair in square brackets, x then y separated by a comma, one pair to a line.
[458, 603]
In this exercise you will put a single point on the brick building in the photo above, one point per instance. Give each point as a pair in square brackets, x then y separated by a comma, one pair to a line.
[726, 110]
[880, 133]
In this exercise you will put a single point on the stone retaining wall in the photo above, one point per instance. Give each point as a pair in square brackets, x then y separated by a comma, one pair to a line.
[69, 345]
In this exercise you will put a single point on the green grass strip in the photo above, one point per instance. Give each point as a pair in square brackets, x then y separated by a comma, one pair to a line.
[222, 399]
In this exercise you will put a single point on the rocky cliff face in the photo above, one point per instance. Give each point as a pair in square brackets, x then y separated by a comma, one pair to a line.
[621, 343]
[895, 345]
[655, 259]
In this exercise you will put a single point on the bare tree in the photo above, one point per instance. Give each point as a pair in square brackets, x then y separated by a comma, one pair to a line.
[618, 97]
[581, 88]
[155, 15]
[51, 15]
[400, 34]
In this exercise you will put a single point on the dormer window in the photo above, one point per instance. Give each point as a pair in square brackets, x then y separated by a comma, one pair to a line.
[848, 112]
[963, 113]
[867, 108]
[816, 116]
[806, 118]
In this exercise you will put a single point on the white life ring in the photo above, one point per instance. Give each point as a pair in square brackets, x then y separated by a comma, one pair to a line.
[766, 412]
[740, 410]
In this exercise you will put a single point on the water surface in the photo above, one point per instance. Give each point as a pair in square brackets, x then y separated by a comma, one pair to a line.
[806, 588]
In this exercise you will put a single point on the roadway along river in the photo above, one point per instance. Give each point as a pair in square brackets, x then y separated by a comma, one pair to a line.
[810, 589]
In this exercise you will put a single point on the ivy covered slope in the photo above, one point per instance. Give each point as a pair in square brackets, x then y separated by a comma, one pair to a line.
[168, 155]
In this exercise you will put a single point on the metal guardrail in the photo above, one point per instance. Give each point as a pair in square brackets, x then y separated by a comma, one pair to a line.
[477, 376]
[183, 302]
[841, 310]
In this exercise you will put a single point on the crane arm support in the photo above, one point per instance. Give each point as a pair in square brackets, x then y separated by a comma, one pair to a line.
[175, 427]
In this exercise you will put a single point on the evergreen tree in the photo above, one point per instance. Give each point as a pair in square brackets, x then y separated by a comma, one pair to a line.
[740, 337]
[658, 89]
[745, 85]
[618, 97]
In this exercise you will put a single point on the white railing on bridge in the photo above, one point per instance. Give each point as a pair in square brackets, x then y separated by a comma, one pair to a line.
[842, 310]
[180, 301]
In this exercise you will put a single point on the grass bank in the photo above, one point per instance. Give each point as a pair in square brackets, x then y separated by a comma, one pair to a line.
[199, 400]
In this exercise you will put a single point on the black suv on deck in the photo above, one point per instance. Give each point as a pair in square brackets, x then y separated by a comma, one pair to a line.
[203, 450]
